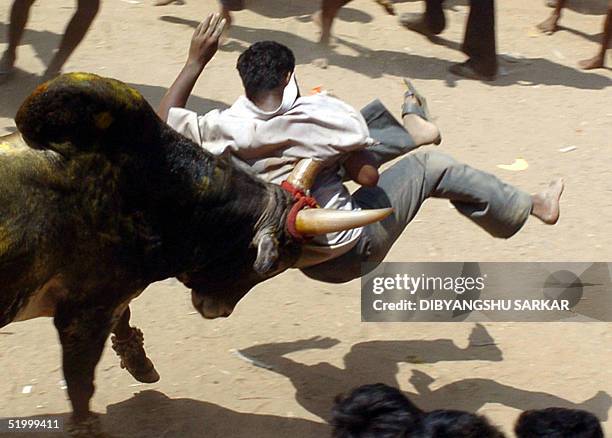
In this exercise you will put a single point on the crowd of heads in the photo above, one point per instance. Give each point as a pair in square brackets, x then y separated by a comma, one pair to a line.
[380, 411]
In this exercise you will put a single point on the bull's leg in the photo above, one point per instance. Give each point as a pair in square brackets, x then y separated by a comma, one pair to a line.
[82, 332]
[128, 343]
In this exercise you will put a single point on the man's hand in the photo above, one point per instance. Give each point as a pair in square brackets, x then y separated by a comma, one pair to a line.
[203, 47]
[205, 40]
[361, 167]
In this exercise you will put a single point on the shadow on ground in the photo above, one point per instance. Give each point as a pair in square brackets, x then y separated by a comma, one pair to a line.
[376, 63]
[378, 361]
[153, 414]
[43, 42]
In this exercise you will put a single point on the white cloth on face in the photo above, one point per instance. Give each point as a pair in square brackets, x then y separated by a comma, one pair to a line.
[272, 143]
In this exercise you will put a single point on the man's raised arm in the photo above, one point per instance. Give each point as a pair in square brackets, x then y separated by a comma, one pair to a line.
[203, 47]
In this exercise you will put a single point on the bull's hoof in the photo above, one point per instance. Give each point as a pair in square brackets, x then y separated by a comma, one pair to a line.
[88, 428]
[133, 357]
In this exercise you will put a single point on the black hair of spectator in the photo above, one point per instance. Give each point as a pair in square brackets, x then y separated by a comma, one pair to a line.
[457, 424]
[558, 423]
[264, 66]
[375, 411]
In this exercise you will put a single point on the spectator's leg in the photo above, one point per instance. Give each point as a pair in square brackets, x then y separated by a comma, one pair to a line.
[550, 25]
[599, 60]
[432, 22]
[73, 35]
[227, 6]
[19, 17]
[329, 10]
[479, 43]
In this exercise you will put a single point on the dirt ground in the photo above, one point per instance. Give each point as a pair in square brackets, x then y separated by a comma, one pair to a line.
[309, 333]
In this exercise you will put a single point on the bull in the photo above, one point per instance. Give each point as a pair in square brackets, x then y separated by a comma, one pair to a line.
[99, 198]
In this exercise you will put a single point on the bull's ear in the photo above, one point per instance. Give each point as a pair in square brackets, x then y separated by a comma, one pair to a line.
[267, 254]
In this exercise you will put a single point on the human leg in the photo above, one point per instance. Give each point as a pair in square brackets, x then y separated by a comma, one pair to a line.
[599, 60]
[432, 22]
[500, 209]
[479, 43]
[395, 139]
[325, 19]
[18, 19]
[73, 35]
[549, 26]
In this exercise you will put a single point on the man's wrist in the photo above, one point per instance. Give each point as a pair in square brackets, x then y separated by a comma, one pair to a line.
[193, 67]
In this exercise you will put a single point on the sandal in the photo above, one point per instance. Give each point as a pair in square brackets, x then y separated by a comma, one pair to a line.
[420, 108]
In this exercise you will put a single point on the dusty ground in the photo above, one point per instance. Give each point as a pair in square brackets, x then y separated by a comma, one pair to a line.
[542, 104]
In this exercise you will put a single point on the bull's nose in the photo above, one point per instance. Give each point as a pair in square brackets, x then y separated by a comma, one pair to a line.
[210, 309]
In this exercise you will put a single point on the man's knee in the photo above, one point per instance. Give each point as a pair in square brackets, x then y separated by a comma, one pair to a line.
[435, 161]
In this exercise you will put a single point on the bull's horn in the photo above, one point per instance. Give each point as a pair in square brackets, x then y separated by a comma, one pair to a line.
[304, 174]
[313, 221]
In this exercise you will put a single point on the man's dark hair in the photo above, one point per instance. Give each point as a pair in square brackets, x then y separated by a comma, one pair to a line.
[457, 424]
[375, 411]
[264, 66]
[558, 423]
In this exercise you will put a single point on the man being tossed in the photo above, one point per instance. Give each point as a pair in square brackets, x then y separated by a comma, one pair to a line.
[272, 128]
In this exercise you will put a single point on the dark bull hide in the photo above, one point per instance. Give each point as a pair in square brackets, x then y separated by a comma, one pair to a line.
[99, 199]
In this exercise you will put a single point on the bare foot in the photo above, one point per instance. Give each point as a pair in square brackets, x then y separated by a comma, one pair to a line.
[546, 203]
[421, 131]
[6, 67]
[324, 25]
[549, 26]
[591, 63]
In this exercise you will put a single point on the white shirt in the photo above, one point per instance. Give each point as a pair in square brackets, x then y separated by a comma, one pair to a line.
[272, 143]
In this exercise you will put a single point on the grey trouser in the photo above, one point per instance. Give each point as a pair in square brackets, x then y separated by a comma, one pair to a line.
[482, 197]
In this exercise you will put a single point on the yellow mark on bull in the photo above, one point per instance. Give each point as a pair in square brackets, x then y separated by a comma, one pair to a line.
[82, 76]
[7, 148]
[103, 120]
[5, 241]
[135, 94]
[204, 183]
[125, 94]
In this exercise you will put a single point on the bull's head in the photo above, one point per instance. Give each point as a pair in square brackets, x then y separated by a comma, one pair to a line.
[215, 292]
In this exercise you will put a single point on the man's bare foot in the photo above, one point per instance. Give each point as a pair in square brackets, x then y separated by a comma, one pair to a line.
[591, 63]
[549, 26]
[546, 203]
